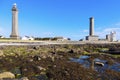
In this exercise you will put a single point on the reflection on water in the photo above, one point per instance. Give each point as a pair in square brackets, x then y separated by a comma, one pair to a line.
[97, 64]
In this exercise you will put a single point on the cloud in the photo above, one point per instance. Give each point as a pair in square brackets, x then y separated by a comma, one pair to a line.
[2, 31]
[48, 34]
[103, 32]
[117, 24]
[81, 35]
[111, 29]
[85, 31]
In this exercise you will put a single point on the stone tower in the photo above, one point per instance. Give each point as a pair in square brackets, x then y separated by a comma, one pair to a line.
[91, 26]
[91, 36]
[14, 33]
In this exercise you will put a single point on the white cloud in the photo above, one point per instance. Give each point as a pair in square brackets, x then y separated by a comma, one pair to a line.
[117, 24]
[48, 34]
[2, 31]
[114, 27]
[111, 29]
[85, 31]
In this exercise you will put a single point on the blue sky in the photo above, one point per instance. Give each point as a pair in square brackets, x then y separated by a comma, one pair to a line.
[67, 18]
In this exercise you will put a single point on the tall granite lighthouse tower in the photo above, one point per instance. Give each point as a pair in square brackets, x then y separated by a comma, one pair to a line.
[14, 33]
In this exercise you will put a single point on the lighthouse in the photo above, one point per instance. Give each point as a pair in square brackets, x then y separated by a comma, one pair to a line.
[14, 33]
[91, 31]
[91, 36]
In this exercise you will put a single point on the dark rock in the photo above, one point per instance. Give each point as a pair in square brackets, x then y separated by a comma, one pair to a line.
[36, 58]
[42, 77]
[71, 51]
[53, 52]
[49, 75]
[35, 47]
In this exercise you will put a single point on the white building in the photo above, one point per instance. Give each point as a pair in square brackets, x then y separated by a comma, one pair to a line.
[61, 39]
[2, 36]
[111, 37]
[27, 38]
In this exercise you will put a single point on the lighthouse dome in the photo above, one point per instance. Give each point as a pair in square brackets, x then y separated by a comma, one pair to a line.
[14, 8]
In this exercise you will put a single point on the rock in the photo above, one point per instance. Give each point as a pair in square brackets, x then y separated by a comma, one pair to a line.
[99, 63]
[36, 58]
[31, 60]
[41, 68]
[35, 47]
[54, 66]
[42, 77]
[71, 51]
[24, 78]
[43, 56]
[53, 58]
[1, 53]
[17, 72]
[53, 52]
[6, 75]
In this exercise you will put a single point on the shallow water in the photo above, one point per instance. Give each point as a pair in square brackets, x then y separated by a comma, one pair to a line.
[84, 60]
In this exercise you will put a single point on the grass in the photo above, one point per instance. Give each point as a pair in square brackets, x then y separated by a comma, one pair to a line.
[116, 56]
[10, 40]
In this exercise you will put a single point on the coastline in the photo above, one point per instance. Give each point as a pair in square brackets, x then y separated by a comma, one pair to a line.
[21, 42]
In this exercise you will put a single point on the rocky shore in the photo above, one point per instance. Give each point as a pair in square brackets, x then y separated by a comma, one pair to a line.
[52, 62]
